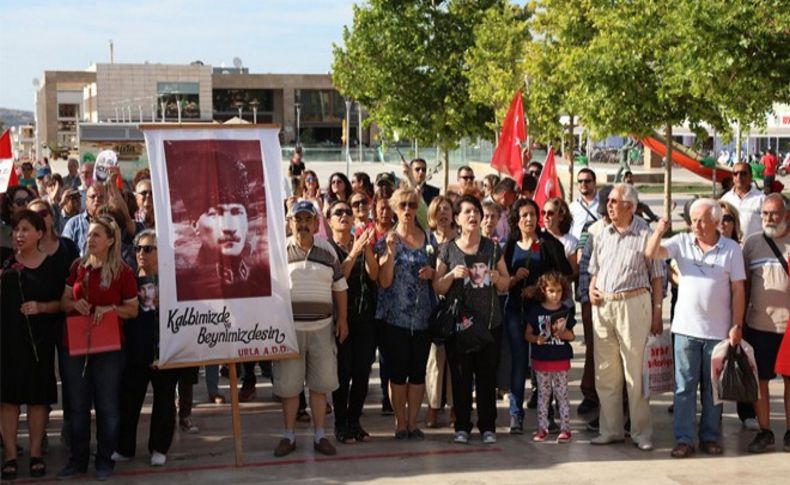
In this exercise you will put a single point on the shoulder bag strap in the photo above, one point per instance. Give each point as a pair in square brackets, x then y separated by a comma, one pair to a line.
[586, 209]
[776, 251]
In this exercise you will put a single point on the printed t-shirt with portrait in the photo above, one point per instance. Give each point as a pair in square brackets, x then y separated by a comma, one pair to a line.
[478, 291]
[555, 354]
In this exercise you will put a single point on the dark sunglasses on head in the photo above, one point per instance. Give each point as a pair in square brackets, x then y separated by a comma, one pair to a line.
[410, 205]
[145, 249]
[23, 202]
[341, 212]
[359, 203]
[727, 218]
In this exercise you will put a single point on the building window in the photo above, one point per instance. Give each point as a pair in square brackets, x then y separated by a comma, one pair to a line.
[226, 101]
[69, 111]
[172, 94]
[321, 105]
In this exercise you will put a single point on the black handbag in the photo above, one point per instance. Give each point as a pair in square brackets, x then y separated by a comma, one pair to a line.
[737, 382]
[441, 322]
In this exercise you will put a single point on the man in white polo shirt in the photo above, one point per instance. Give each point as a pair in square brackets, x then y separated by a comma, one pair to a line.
[710, 308]
[746, 198]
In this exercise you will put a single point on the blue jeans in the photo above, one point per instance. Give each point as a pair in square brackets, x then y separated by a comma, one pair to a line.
[100, 387]
[692, 359]
[519, 358]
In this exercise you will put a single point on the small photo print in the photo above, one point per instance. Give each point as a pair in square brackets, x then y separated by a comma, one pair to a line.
[479, 276]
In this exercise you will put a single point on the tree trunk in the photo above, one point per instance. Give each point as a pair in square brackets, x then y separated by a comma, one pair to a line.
[738, 147]
[668, 174]
[446, 153]
[570, 158]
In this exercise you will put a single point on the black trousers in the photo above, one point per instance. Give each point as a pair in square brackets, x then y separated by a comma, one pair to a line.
[384, 374]
[248, 378]
[355, 357]
[478, 369]
[163, 415]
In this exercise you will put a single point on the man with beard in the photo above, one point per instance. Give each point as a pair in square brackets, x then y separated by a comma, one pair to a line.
[585, 208]
[766, 257]
[419, 173]
[226, 265]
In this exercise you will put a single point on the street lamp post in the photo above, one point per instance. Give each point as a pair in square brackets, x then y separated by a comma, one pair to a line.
[298, 121]
[346, 135]
[359, 131]
[254, 105]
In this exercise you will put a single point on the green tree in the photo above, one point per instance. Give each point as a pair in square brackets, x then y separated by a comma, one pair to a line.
[495, 63]
[406, 60]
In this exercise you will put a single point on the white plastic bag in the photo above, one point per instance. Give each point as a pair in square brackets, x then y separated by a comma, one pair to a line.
[717, 358]
[658, 370]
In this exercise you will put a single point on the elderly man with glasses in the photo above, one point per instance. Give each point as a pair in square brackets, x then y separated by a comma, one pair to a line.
[626, 293]
[710, 308]
[746, 198]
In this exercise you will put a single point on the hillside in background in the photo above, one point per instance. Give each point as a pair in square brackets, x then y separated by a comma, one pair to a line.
[15, 117]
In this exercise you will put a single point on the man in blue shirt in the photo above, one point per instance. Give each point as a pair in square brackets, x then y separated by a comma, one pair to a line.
[77, 227]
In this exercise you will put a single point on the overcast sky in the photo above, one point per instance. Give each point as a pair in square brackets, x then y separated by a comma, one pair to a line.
[279, 36]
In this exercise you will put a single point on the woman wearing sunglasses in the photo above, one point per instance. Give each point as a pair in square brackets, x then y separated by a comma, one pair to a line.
[355, 355]
[15, 201]
[99, 283]
[360, 206]
[339, 188]
[406, 259]
[29, 282]
[142, 350]
[557, 220]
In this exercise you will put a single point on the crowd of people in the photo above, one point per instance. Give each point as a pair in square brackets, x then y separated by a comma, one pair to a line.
[369, 263]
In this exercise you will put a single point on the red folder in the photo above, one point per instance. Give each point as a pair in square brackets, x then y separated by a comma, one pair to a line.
[86, 338]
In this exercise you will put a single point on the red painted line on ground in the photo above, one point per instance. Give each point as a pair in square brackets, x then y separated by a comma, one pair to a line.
[298, 461]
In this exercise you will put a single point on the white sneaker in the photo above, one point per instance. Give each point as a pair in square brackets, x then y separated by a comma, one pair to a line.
[461, 437]
[158, 459]
[751, 424]
[119, 457]
[489, 437]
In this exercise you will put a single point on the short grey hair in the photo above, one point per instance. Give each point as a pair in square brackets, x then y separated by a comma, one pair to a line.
[628, 193]
[144, 233]
[704, 202]
[785, 202]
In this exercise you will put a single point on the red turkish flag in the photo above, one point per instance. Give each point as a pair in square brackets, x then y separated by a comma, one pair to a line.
[507, 155]
[8, 177]
[548, 183]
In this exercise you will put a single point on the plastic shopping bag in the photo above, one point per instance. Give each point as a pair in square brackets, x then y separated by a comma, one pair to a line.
[658, 370]
[733, 373]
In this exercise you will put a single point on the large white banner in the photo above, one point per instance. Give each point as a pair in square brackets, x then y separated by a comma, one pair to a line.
[223, 279]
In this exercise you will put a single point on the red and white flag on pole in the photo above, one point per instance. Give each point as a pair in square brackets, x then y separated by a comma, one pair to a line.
[548, 183]
[507, 155]
[8, 177]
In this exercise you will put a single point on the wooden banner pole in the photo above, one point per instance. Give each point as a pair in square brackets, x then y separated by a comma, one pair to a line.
[235, 413]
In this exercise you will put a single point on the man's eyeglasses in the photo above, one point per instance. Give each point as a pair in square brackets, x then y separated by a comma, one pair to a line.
[145, 193]
[410, 205]
[741, 173]
[585, 181]
[145, 249]
[615, 201]
[770, 214]
[341, 212]
[23, 202]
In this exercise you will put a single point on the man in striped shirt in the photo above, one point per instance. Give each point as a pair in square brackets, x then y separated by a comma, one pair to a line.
[623, 279]
[318, 295]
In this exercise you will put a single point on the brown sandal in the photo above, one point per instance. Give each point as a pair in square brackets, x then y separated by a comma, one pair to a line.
[710, 448]
[682, 450]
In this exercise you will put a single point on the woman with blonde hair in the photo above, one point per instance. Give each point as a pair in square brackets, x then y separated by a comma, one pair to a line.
[730, 224]
[405, 298]
[437, 377]
[100, 283]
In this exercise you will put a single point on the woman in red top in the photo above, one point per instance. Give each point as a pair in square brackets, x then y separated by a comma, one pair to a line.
[99, 283]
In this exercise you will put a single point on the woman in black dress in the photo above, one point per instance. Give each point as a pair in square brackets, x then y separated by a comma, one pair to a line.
[63, 251]
[30, 286]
